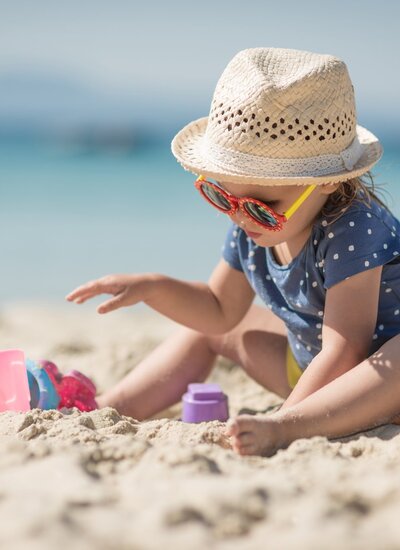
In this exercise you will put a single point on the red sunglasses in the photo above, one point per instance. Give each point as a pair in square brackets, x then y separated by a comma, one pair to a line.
[257, 211]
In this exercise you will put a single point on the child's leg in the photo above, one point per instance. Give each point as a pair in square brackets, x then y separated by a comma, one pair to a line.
[368, 395]
[258, 343]
[161, 378]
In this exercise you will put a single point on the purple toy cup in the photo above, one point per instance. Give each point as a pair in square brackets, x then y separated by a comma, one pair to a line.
[204, 402]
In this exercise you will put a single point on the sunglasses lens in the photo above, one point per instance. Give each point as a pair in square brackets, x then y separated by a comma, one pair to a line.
[216, 197]
[260, 214]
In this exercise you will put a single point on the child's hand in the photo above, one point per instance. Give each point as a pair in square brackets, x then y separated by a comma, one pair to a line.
[126, 289]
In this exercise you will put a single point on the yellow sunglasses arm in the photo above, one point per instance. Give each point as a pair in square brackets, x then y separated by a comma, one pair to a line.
[289, 213]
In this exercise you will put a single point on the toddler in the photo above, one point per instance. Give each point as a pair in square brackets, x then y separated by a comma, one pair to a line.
[282, 155]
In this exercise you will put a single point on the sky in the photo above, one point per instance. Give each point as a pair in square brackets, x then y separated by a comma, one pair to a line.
[143, 55]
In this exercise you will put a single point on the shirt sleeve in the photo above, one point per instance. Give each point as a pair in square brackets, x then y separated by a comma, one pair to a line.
[230, 249]
[358, 241]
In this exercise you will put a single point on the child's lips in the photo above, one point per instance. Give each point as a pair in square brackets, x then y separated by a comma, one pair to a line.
[253, 235]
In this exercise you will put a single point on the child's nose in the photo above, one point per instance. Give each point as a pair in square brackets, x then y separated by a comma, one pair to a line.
[239, 219]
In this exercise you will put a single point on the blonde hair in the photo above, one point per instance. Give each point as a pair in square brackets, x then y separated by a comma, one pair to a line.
[362, 189]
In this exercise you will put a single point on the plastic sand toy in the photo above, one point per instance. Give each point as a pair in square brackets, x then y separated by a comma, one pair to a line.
[73, 388]
[14, 386]
[204, 402]
[42, 390]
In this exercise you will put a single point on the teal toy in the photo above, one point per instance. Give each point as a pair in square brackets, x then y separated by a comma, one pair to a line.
[43, 393]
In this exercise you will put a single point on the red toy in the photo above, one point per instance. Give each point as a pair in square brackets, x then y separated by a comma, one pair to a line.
[74, 388]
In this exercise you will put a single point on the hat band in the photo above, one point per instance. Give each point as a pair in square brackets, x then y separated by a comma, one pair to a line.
[254, 165]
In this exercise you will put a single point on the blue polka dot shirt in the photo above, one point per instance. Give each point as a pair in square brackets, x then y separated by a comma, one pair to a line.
[362, 238]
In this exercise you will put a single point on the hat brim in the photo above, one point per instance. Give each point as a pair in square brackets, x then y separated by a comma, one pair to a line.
[187, 147]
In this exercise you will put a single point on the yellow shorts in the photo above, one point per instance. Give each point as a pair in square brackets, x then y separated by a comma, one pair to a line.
[293, 370]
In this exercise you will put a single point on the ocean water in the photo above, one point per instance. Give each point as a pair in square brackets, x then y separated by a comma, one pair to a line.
[70, 215]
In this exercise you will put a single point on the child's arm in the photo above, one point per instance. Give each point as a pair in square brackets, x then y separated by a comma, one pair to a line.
[210, 308]
[349, 321]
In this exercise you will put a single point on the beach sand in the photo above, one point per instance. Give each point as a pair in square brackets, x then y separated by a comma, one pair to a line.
[101, 480]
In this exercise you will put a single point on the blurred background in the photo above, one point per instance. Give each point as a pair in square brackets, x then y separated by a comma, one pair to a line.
[91, 94]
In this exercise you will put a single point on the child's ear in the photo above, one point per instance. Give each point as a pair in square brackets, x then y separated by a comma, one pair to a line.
[329, 188]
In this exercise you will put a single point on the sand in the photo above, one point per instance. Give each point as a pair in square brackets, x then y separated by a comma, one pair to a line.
[101, 480]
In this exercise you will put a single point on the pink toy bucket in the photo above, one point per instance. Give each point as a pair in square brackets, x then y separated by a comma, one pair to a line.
[14, 387]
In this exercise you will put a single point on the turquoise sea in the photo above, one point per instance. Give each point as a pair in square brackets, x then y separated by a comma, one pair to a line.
[70, 215]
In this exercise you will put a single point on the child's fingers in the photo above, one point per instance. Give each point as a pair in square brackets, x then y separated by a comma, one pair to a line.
[77, 294]
[86, 291]
[112, 304]
[82, 299]
[79, 298]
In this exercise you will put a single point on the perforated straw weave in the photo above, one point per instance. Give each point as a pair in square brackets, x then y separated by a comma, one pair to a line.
[279, 117]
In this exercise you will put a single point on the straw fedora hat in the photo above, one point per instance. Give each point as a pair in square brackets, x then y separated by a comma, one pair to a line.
[279, 117]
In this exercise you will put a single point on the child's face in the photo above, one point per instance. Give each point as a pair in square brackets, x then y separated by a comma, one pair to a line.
[280, 199]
